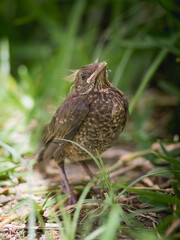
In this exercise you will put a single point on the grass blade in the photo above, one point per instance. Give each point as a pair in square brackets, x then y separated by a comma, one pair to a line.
[112, 224]
[157, 198]
[121, 67]
[148, 76]
[168, 159]
[95, 233]
[150, 173]
[78, 209]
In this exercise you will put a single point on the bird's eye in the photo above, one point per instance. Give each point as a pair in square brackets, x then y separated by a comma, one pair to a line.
[83, 76]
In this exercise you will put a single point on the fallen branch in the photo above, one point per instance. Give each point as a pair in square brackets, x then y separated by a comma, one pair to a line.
[127, 158]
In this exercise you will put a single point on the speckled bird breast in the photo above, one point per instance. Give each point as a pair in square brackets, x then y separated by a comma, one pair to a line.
[102, 126]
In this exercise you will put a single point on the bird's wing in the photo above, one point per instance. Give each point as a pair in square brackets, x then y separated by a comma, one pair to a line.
[68, 118]
[65, 123]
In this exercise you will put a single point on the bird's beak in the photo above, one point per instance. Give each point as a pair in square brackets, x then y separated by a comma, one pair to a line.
[101, 66]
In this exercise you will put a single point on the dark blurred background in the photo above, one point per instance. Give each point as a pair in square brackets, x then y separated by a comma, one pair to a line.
[42, 40]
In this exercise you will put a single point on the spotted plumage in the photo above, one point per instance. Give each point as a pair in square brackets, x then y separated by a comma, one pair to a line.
[93, 115]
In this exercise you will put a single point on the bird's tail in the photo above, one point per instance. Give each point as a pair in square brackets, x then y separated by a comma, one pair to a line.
[40, 155]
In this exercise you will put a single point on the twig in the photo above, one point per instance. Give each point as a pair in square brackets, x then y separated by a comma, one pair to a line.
[175, 224]
[24, 226]
[121, 171]
[35, 190]
[147, 181]
[131, 156]
[127, 158]
[15, 216]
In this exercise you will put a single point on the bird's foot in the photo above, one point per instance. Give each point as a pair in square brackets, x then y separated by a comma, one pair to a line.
[72, 199]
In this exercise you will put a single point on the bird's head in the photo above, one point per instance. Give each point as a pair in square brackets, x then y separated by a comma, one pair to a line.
[92, 77]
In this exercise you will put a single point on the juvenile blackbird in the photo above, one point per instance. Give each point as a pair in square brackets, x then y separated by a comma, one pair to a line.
[93, 115]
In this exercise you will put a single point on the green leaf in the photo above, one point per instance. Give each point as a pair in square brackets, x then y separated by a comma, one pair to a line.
[162, 171]
[176, 171]
[176, 189]
[170, 88]
[150, 173]
[78, 209]
[95, 233]
[147, 77]
[20, 204]
[112, 224]
[168, 159]
[50, 202]
[165, 223]
[163, 148]
[10, 150]
[7, 169]
[155, 197]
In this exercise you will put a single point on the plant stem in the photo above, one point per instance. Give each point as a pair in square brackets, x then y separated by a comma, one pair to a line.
[148, 76]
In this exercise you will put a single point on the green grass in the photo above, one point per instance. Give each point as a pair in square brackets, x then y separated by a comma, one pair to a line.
[115, 212]
[41, 42]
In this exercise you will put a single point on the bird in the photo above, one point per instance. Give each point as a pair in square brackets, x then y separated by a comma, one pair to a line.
[93, 115]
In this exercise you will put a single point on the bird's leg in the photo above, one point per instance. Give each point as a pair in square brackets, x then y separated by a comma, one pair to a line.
[87, 169]
[97, 191]
[65, 184]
